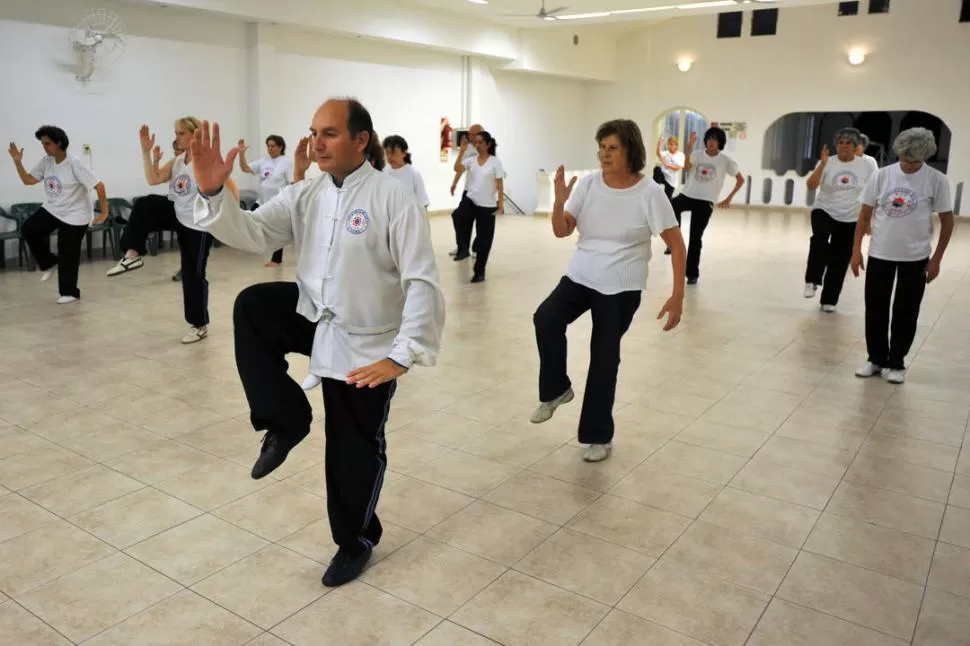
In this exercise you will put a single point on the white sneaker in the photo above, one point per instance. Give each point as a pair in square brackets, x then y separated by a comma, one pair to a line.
[894, 376]
[195, 334]
[597, 452]
[869, 369]
[64, 300]
[46, 275]
[126, 265]
[310, 382]
[828, 309]
[545, 410]
[810, 290]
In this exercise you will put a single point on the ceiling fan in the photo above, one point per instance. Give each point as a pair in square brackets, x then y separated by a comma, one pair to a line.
[544, 14]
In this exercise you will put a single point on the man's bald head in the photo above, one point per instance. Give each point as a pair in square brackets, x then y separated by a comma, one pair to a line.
[475, 129]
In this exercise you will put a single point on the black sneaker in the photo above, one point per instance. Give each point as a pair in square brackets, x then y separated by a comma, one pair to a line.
[272, 454]
[691, 281]
[461, 255]
[177, 276]
[478, 278]
[345, 567]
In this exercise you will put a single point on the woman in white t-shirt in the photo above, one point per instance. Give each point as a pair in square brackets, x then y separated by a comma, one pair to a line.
[399, 166]
[194, 243]
[669, 163]
[275, 172]
[616, 212]
[897, 206]
[705, 180]
[485, 188]
[839, 182]
[68, 209]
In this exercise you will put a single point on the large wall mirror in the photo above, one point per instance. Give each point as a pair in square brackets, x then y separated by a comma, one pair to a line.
[793, 142]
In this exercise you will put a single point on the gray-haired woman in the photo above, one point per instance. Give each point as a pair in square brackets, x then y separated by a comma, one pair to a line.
[899, 202]
[839, 182]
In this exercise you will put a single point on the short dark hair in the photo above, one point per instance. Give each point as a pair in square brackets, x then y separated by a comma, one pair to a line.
[628, 132]
[716, 134]
[358, 121]
[279, 141]
[397, 142]
[55, 134]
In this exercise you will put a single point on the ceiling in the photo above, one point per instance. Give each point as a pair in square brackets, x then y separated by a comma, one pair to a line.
[590, 11]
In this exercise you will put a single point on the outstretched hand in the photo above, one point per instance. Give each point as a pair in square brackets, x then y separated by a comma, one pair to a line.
[156, 154]
[17, 154]
[824, 157]
[211, 170]
[563, 190]
[146, 138]
[691, 141]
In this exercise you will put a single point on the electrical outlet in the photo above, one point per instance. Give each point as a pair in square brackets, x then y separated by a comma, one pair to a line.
[86, 149]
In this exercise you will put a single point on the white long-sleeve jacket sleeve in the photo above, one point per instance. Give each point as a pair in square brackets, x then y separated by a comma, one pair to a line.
[268, 228]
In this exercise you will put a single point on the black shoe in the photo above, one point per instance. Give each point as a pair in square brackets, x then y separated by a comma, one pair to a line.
[345, 567]
[478, 278]
[177, 276]
[272, 454]
[453, 253]
[691, 281]
[461, 255]
[667, 251]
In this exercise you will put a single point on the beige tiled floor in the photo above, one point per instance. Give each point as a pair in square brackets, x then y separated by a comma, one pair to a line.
[758, 493]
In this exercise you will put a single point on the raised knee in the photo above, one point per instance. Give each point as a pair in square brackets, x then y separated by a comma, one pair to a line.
[246, 302]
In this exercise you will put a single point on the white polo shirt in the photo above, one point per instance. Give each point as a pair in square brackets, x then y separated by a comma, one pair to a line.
[274, 175]
[482, 183]
[615, 227]
[366, 271]
[903, 206]
[705, 181]
[68, 187]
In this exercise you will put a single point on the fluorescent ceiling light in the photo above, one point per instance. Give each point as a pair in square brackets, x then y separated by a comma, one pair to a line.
[706, 5]
[478, 1]
[626, 12]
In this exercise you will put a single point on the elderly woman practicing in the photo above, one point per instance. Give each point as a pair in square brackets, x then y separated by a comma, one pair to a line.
[898, 204]
[839, 183]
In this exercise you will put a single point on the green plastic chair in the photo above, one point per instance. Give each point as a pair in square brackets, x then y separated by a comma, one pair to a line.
[22, 251]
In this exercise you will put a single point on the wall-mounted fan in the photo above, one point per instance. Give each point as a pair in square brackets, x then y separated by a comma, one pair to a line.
[98, 38]
[544, 14]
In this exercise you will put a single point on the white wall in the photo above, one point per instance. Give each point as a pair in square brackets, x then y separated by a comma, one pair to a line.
[917, 60]
[197, 69]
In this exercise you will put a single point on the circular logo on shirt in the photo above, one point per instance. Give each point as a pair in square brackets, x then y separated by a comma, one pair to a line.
[267, 173]
[182, 184]
[845, 179]
[705, 172]
[52, 186]
[900, 202]
[358, 221]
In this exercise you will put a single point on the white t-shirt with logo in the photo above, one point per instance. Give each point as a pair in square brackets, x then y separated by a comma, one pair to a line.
[183, 191]
[677, 159]
[482, 184]
[903, 206]
[274, 175]
[615, 227]
[410, 177]
[840, 193]
[871, 161]
[68, 187]
[706, 178]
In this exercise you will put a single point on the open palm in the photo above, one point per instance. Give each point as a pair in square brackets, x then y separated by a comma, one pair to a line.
[211, 170]
[16, 153]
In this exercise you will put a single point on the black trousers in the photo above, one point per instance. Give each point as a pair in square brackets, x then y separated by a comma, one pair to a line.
[700, 217]
[483, 219]
[829, 254]
[267, 328]
[463, 219]
[910, 285]
[278, 254]
[194, 247]
[660, 178]
[149, 213]
[37, 230]
[612, 315]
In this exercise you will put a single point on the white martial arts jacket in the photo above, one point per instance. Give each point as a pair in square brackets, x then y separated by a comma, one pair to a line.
[366, 270]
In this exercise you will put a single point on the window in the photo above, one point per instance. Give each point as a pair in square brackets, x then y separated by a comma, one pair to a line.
[849, 8]
[878, 6]
[965, 11]
[729, 24]
[764, 22]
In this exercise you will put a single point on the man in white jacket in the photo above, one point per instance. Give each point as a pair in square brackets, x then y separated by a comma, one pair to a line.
[365, 307]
